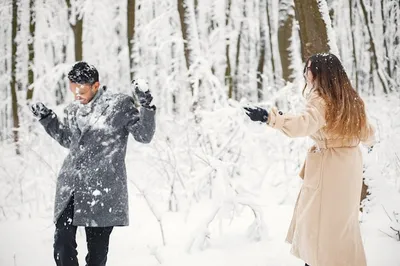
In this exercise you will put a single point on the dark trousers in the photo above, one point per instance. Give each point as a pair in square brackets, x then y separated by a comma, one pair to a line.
[97, 239]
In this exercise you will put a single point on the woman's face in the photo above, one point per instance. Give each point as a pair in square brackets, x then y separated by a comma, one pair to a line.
[308, 75]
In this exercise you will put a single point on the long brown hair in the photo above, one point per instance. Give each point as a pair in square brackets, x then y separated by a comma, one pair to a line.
[345, 110]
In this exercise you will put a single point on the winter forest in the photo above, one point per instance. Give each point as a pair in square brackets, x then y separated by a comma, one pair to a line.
[213, 187]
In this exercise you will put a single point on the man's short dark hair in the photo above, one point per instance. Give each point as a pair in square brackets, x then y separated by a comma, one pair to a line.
[83, 73]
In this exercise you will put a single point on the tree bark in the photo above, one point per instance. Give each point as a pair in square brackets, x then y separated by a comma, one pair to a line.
[261, 58]
[60, 91]
[196, 9]
[131, 33]
[385, 45]
[237, 60]
[228, 74]
[313, 33]
[77, 28]
[14, 98]
[353, 42]
[271, 45]
[182, 10]
[284, 37]
[191, 43]
[373, 49]
[364, 193]
[32, 28]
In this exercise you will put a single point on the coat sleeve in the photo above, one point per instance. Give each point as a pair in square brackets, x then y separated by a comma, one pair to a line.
[304, 124]
[368, 135]
[59, 131]
[140, 123]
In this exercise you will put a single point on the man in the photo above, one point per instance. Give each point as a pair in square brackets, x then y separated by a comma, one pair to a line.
[92, 184]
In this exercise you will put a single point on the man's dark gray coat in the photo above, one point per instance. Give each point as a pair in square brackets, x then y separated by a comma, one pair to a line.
[94, 170]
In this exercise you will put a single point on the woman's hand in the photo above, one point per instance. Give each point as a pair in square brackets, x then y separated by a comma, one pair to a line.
[257, 114]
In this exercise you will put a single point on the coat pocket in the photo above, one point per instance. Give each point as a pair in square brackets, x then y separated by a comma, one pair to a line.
[313, 169]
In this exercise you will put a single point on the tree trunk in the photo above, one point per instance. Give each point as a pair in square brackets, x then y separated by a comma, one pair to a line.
[313, 31]
[284, 37]
[385, 45]
[237, 61]
[196, 9]
[261, 58]
[182, 10]
[353, 42]
[77, 28]
[364, 193]
[14, 99]
[228, 74]
[212, 26]
[189, 34]
[31, 51]
[131, 33]
[372, 46]
[60, 91]
[271, 45]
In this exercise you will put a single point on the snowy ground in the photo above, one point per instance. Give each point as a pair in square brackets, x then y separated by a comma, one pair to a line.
[266, 165]
[29, 242]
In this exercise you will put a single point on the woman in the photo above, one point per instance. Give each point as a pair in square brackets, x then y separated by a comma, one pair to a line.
[325, 230]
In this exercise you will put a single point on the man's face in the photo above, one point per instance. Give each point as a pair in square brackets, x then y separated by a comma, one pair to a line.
[84, 93]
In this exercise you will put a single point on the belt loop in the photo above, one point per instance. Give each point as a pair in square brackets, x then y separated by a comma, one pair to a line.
[317, 145]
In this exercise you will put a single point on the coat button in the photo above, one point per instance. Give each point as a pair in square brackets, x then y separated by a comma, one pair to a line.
[78, 167]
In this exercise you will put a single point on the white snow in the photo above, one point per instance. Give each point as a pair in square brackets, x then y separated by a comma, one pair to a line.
[96, 192]
[212, 188]
[252, 170]
[93, 202]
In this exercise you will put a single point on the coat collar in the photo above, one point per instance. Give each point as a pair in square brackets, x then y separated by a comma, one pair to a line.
[99, 106]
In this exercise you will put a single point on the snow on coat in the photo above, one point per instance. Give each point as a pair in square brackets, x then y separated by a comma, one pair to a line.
[94, 170]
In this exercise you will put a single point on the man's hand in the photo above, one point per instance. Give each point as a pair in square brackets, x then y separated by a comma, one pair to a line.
[257, 114]
[145, 98]
[40, 110]
[143, 93]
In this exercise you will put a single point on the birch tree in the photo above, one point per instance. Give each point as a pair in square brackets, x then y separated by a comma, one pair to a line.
[14, 85]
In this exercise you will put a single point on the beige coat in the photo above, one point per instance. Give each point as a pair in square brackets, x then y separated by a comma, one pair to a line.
[325, 229]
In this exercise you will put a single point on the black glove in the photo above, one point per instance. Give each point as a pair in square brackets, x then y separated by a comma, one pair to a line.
[40, 111]
[144, 97]
[257, 114]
